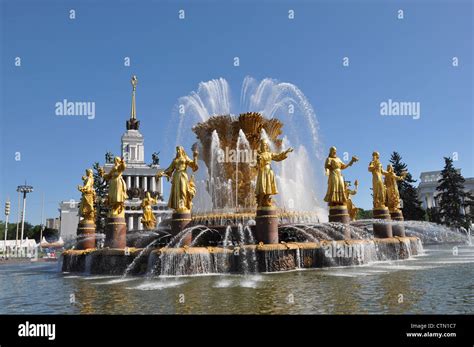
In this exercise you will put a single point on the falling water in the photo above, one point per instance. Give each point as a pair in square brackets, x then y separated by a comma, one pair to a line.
[428, 233]
[272, 99]
[88, 264]
[138, 257]
[283, 100]
[298, 258]
[264, 136]
[244, 153]
[228, 231]
[215, 169]
[242, 250]
[177, 263]
[82, 238]
[302, 231]
[200, 235]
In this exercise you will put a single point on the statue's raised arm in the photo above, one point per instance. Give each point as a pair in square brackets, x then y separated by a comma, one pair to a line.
[182, 189]
[266, 184]
[336, 192]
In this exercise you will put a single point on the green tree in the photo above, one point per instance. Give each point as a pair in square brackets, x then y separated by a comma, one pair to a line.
[30, 232]
[364, 214]
[412, 209]
[452, 198]
[101, 189]
[11, 231]
[433, 215]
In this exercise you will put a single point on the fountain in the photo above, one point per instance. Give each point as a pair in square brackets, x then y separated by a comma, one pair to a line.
[237, 215]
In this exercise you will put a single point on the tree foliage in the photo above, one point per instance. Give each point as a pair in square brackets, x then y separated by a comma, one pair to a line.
[412, 208]
[453, 200]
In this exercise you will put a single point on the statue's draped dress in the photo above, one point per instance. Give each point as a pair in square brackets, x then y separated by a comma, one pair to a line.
[378, 187]
[266, 184]
[148, 215]
[182, 191]
[335, 194]
[88, 197]
[350, 205]
[393, 196]
[117, 186]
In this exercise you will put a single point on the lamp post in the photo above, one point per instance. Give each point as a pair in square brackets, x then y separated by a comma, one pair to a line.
[25, 189]
[17, 224]
[42, 224]
[7, 214]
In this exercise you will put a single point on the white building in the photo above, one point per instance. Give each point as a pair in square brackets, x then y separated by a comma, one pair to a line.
[427, 192]
[13, 248]
[139, 176]
[53, 223]
[68, 219]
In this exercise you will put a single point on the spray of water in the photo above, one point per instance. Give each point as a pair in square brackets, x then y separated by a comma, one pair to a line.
[271, 98]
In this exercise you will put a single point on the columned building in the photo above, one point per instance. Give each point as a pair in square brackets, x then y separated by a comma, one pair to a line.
[139, 176]
[427, 192]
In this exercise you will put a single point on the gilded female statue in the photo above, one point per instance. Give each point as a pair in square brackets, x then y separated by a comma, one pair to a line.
[266, 186]
[86, 207]
[393, 196]
[351, 208]
[336, 194]
[183, 189]
[378, 187]
[117, 188]
[148, 218]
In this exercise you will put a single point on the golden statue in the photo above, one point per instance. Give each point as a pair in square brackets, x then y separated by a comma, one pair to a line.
[86, 207]
[148, 218]
[378, 187]
[351, 208]
[117, 188]
[393, 196]
[266, 186]
[183, 189]
[335, 194]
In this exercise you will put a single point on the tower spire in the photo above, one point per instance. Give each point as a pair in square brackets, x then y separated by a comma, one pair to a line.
[133, 123]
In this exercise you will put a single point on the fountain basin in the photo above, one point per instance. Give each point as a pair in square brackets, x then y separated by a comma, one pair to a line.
[243, 259]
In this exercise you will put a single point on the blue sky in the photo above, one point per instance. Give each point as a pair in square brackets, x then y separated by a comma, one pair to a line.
[82, 60]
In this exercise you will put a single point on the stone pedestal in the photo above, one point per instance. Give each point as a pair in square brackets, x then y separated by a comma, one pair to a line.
[266, 228]
[340, 214]
[179, 222]
[398, 229]
[85, 235]
[382, 231]
[116, 233]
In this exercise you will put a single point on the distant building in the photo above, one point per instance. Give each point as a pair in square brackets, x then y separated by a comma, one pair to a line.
[139, 176]
[68, 219]
[427, 192]
[12, 248]
[53, 223]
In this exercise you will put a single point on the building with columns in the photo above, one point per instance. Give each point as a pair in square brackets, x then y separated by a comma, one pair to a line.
[139, 176]
[427, 192]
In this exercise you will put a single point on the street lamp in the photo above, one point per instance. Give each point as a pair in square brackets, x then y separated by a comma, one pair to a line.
[25, 189]
[7, 214]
